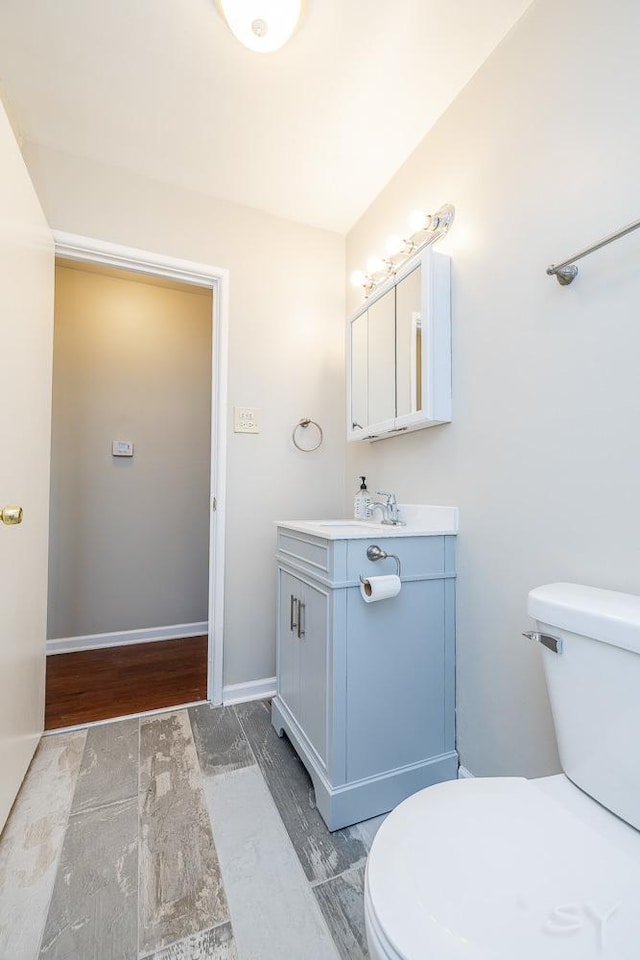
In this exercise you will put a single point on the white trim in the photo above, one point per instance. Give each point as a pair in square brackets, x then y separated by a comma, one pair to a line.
[217, 517]
[128, 716]
[71, 246]
[123, 638]
[251, 690]
[464, 774]
[89, 250]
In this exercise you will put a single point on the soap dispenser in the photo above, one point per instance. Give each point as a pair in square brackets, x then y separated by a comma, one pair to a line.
[361, 501]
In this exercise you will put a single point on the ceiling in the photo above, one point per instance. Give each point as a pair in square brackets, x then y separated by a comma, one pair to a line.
[312, 132]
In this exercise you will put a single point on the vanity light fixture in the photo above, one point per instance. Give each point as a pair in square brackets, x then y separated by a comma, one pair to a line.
[425, 228]
[262, 25]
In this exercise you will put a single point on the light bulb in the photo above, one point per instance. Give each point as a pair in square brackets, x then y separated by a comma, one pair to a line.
[375, 265]
[417, 221]
[358, 278]
[394, 244]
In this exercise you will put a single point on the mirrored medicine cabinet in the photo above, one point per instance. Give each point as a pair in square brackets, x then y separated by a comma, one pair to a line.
[399, 352]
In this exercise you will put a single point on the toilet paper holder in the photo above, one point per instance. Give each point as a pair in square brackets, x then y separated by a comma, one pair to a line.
[374, 553]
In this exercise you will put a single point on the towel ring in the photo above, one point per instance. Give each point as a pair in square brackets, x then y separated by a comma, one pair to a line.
[304, 423]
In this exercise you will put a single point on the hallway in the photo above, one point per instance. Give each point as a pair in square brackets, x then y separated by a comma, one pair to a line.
[90, 685]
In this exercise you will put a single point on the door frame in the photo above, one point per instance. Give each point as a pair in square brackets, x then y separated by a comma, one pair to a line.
[69, 246]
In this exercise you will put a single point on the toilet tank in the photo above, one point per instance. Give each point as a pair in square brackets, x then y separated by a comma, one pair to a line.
[594, 687]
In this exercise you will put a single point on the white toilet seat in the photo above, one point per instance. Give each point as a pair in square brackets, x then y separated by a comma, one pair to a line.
[379, 946]
[494, 869]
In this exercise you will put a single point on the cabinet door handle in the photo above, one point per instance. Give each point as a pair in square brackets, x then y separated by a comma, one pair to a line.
[302, 625]
[292, 621]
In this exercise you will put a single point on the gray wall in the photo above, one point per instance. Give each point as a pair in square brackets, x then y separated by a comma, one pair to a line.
[539, 153]
[129, 543]
[286, 356]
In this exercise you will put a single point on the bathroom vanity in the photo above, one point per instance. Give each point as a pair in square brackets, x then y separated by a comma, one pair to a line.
[366, 690]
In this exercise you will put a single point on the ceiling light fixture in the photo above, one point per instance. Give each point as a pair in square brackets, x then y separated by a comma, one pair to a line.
[425, 229]
[262, 25]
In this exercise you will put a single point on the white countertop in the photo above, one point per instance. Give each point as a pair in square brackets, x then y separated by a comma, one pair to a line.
[422, 520]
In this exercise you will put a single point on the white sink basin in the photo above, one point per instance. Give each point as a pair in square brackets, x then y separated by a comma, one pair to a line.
[352, 523]
[420, 520]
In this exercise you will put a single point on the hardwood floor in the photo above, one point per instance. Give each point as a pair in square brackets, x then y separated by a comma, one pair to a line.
[100, 684]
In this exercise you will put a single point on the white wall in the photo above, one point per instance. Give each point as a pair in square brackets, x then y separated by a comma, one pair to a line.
[286, 357]
[539, 154]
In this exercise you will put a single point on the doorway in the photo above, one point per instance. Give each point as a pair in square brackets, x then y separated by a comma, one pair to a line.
[135, 592]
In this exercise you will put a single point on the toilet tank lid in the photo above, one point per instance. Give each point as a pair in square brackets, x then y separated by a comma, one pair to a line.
[590, 612]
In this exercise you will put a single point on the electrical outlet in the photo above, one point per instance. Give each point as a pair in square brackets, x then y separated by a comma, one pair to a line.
[245, 420]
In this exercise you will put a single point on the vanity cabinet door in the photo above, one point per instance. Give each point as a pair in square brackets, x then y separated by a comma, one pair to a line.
[313, 666]
[303, 621]
[381, 362]
[290, 590]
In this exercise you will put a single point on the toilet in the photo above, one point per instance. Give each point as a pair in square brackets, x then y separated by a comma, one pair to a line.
[506, 868]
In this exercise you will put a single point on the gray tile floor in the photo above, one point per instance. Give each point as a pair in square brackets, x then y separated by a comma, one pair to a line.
[182, 836]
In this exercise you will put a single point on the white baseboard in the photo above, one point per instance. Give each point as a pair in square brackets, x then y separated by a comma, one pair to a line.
[464, 774]
[123, 638]
[252, 690]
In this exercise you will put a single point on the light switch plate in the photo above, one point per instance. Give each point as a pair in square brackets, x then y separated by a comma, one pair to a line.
[245, 420]
[122, 448]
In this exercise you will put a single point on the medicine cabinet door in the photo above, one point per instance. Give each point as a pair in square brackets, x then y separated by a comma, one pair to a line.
[359, 376]
[411, 363]
[382, 367]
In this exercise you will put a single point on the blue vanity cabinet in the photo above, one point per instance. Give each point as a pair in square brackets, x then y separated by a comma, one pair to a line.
[366, 691]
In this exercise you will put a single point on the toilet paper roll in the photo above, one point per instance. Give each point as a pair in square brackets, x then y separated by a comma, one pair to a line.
[380, 588]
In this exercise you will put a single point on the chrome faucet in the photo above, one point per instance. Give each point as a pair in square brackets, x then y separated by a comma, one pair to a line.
[388, 508]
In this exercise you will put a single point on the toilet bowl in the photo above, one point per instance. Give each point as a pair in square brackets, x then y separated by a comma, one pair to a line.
[546, 869]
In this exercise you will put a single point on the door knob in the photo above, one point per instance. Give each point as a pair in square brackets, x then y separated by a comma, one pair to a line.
[11, 515]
